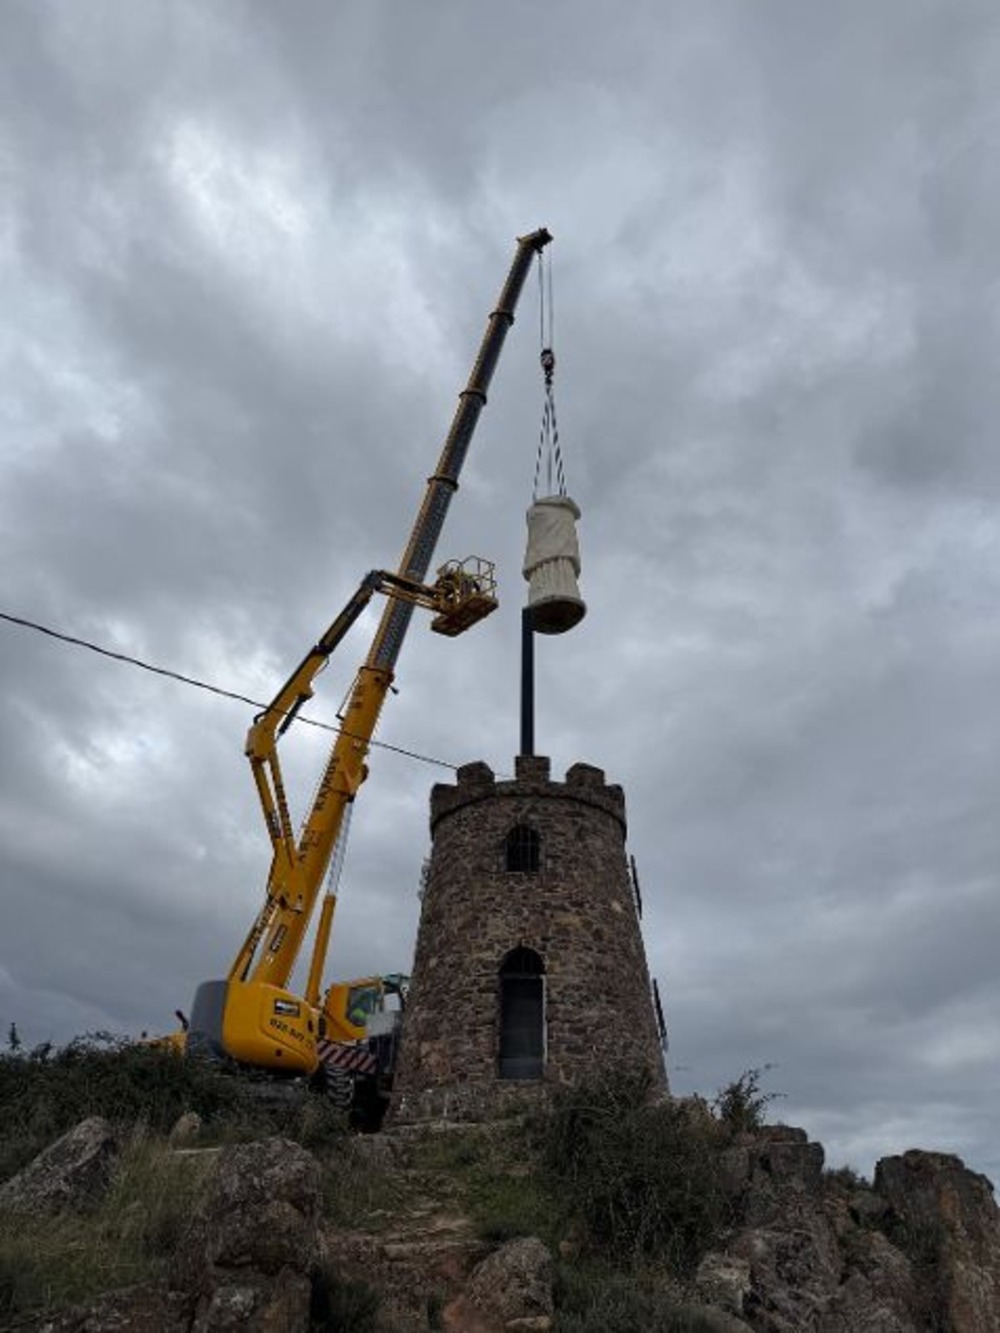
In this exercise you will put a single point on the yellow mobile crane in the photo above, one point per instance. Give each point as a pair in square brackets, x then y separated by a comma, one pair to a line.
[251, 1015]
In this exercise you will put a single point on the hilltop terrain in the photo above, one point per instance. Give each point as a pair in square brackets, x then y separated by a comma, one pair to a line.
[142, 1192]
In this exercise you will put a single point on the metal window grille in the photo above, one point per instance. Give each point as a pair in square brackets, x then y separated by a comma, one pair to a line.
[523, 849]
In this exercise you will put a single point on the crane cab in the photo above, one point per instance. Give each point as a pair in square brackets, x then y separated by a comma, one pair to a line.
[367, 1006]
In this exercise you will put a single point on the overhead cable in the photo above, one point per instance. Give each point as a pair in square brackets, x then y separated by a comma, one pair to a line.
[211, 689]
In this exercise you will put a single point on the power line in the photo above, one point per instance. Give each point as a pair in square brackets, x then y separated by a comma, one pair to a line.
[212, 689]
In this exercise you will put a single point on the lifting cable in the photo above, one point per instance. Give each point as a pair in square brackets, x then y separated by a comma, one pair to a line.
[336, 867]
[549, 470]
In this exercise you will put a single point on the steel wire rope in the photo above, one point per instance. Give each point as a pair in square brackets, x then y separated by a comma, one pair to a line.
[549, 449]
[214, 689]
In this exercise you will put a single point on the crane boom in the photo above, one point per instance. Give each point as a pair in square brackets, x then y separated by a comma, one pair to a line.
[251, 1015]
[443, 482]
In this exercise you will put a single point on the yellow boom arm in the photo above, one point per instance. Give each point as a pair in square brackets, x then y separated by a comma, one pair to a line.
[250, 1015]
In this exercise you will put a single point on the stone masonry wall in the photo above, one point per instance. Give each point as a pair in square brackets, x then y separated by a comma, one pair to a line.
[577, 912]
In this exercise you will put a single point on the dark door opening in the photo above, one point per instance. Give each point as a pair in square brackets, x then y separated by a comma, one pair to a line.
[522, 1015]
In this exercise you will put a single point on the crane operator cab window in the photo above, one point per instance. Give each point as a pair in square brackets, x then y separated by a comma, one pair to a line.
[362, 1002]
[522, 850]
[522, 1015]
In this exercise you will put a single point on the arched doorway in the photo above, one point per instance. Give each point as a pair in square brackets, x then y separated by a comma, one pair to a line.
[522, 1015]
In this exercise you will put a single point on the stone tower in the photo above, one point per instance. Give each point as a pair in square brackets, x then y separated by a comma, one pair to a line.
[529, 969]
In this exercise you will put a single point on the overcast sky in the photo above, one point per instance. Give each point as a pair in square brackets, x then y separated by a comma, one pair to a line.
[248, 250]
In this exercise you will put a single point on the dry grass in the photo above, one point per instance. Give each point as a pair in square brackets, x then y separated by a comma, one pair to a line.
[50, 1262]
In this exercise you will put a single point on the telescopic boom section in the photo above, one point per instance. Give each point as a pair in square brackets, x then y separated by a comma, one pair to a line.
[296, 876]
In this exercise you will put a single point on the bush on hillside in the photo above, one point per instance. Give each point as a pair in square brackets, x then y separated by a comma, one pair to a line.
[641, 1175]
[741, 1106]
[44, 1093]
[597, 1299]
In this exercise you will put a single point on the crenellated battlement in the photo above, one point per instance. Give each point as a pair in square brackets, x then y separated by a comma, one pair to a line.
[476, 782]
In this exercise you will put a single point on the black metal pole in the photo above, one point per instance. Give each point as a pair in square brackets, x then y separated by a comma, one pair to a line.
[527, 683]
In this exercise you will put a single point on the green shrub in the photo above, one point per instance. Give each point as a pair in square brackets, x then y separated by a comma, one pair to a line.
[642, 1176]
[741, 1106]
[504, 1207]
[318, 1123]
[44, 1093]
[845, 1178]
[594, 1300]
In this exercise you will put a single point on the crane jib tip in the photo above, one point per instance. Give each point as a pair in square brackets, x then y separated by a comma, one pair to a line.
[537, 239]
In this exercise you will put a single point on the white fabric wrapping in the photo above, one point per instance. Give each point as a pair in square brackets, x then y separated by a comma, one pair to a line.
[552, 563]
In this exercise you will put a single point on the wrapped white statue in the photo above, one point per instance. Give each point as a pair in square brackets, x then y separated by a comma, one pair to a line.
[552, 564]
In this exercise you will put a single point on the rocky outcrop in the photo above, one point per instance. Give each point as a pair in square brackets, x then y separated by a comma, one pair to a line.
[74, 1172]
[944, 1218]
[877, 1291]
[245, 1262]
[254, 1241]
[918, 1252]
[781, 1259]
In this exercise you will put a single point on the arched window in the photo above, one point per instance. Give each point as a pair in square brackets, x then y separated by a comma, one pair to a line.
[522, 848]
[522, 1015]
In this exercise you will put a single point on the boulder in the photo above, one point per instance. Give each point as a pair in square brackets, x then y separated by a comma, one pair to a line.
[276, 1304]
[791, 1162]
[510, 1289]
[260, 1211]
[74, 1172]
[253, 1242]
[768, 1172]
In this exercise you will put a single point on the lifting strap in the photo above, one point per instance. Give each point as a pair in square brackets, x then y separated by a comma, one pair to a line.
[550, 474]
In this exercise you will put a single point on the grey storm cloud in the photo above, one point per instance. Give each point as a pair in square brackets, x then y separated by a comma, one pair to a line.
[246, 254]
